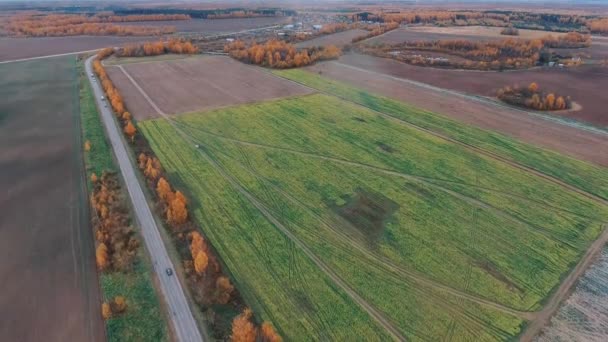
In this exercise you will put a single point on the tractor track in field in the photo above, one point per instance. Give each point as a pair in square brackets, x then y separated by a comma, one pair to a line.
[539, 319]
[372, 311]
[421, 279]
[468, 146]
[425, 180]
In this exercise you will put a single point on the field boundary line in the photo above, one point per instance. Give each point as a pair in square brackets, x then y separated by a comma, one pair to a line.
[379, 317]
[565, 288]
[47, 56]
[474, 148]
[481, 99]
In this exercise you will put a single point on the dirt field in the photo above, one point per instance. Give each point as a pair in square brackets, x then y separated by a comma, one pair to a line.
[197, 83]
[584, 84]
[215, 25]
[475, 33]
[372, 74]
[337, 39]
[17, 48]
[482, 31]
[49, 282]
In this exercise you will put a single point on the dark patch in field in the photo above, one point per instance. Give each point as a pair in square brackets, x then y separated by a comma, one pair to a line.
[359, 119]
[385, 147]
[368, 212]
[490, 268]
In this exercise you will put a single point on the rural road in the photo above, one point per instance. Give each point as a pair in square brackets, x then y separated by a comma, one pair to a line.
[181, 318]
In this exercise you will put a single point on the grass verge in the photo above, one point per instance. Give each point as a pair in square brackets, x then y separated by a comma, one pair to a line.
[143, 319]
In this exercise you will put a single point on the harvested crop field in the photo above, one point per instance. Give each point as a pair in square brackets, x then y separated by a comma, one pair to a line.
[573, 142]
[49, 279]
[584, 84]
[338, 39]
[474, 33]
[210, 26]
[196, 83]
[329, 215]
[18, 48]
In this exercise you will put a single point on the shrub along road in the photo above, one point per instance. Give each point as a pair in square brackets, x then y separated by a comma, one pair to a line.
[183, 322]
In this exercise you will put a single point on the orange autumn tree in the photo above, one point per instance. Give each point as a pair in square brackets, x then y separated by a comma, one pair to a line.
[176, 212]
[224, 289]
[200, 262]
[101, 256]
[268, 333]
[163, 189]
[106, 312]
[130, 130]
[243, 329]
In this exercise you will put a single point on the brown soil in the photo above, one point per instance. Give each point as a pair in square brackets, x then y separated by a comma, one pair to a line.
[374, 74]
[338, 39]
[198, 83]
[49, 282]
[584, 84]
[18, 48]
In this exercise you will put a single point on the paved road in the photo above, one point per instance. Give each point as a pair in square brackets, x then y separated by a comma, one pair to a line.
[183, 322]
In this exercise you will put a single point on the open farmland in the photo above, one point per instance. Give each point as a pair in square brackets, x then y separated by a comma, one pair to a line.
[49, 280]
[584, 84]
[329, 214]
[372, 77]
[195, 84]
[18, 48]
[338, 39]
[214, 26]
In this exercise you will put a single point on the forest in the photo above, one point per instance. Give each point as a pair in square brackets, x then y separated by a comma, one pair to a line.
[53, 25]
[477, 55]
[533, 97]
[177, 46]
[279, 54]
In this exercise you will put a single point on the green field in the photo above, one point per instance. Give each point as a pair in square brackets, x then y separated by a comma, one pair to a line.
[143, 320]
[296, 192]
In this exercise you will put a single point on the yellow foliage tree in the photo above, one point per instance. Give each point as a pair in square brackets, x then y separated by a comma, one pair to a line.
[101, 256]
[120, 304]
[224, 289]
[533, 87]
[87, 146]
[200, 262]
[93, 177]
[243, 329]
[177, 212]
[106, 311]
[163, 189]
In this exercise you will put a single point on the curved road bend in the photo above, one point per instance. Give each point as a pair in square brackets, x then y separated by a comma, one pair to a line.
[181, 318]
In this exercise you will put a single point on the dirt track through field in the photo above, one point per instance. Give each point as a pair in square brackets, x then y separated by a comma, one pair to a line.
[547, 134]
[538, 319]
[474, 148]
[373, 312]
[194, 84]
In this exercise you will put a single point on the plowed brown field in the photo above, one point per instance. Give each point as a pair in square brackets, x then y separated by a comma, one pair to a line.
[376, 75]
[197, 83]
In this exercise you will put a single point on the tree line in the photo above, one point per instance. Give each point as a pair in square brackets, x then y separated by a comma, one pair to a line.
[178, 46]
[245, 330]
[598, 26]
[210, 285]
[76, 24]
[477, 55]
[532, 97]
[376, 31]
[279, 54]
